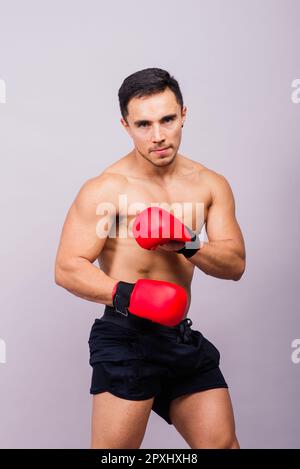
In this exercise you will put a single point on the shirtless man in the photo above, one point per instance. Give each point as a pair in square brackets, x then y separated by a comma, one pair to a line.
[136, 367]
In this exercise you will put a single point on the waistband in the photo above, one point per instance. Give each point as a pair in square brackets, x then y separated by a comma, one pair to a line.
[182, 330]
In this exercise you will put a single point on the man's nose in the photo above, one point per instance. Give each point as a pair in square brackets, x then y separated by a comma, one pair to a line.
[157, 135]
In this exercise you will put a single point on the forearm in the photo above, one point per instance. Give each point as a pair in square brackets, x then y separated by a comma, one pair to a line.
[85, 280]
[221, 259]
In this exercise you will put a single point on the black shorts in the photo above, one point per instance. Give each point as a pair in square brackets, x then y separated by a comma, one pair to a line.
[136, 359]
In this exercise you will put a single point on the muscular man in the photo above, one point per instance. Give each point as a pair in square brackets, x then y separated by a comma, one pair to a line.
[142, 357]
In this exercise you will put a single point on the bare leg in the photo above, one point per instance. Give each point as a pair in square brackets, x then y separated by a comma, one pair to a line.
[205, 419]
[118, 423]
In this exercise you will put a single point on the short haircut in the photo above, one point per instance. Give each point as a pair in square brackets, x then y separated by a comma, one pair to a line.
[145, 83]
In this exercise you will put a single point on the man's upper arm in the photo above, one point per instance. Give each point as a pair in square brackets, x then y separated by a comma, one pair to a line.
[221, 222]
[79, 238]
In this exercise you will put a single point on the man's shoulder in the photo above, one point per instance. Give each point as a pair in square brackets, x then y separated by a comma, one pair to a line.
[105, 186]
[212, 177]
[203, 176]
[203, 172]
[112, 177]
[105, 181]
[116, 172]
[216, 182]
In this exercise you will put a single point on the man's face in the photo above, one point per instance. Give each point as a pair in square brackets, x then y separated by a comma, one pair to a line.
[155, 122]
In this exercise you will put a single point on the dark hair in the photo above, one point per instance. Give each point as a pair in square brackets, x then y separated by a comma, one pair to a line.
[145, 83]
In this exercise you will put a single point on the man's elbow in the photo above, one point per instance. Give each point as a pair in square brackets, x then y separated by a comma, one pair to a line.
[65, 271]
[239, 270]
[60, 275]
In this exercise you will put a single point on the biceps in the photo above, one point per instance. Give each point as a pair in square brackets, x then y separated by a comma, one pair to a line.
[221, 224]
[83, 236]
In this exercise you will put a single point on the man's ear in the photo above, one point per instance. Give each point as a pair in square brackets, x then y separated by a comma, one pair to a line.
[125, 125]
[183, 114]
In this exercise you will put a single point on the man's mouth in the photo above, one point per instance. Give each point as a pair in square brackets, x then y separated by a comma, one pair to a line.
[161, 150]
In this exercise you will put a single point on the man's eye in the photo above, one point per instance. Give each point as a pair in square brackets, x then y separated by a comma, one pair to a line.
[144, 124]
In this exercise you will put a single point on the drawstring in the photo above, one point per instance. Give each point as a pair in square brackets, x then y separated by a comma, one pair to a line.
[184, 331]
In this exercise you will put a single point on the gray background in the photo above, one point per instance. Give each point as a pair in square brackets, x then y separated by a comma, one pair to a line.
[63, 63]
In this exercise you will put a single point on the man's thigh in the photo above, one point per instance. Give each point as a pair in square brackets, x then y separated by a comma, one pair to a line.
[117, 422]
[205, 419]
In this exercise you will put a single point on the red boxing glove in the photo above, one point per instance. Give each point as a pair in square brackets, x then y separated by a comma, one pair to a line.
[156, 300]
[154, 226]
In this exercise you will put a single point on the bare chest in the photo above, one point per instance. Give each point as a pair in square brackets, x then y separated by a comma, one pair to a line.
[186, 199]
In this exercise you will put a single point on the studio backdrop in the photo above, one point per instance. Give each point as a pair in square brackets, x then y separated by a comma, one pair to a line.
[61, 65]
